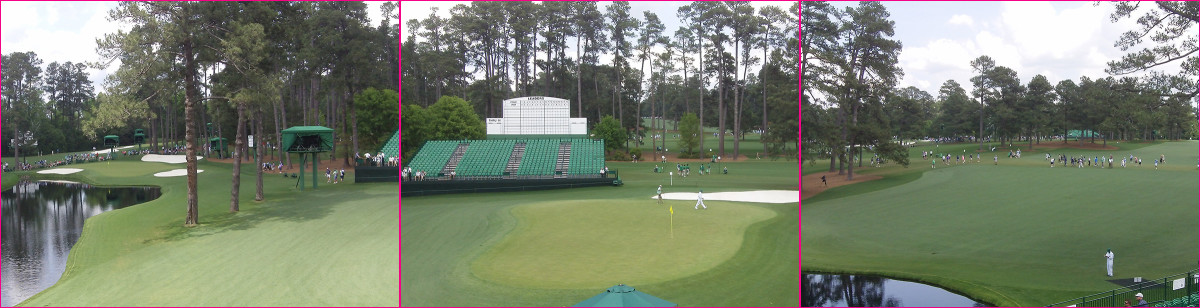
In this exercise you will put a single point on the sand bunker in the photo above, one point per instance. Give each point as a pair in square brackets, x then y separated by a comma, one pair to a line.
[170, 159]
[60, 171]
[760, 196]
[176, 172]
[98, 152]
[60, 181]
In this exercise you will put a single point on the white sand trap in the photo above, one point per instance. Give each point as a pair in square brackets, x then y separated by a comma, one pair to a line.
[760, 196]
[98, 152]
[170, 159]
[176, 172]
[60, 171]
[60, 181]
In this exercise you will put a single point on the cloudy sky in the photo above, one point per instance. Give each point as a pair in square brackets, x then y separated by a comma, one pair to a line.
[67, 31]
[1060, 40]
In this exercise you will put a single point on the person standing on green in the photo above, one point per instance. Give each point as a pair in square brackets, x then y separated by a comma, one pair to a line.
[1109, 257]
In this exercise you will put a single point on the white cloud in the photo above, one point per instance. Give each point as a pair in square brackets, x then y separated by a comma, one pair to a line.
[59, 32]
[51, 15]
[960, 19]
[1060, 40]
[1004, 52]
[16, 15]
[1040, 30]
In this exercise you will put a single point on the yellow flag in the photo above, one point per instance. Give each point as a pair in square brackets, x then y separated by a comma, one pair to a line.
[672, 208]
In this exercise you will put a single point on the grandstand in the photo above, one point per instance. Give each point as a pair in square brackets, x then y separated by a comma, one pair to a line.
[510, 159]
[535, 146]
[381, 167]
[391, 149]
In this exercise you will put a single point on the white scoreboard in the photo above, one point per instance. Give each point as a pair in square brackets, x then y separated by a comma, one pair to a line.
[536, 115]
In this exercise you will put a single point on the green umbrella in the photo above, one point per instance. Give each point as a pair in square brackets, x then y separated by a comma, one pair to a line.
[624, 296]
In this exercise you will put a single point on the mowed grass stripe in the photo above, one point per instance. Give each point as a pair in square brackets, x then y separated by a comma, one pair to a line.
[334, 246]
[444, 234]
[1014, 234]
[599, 243]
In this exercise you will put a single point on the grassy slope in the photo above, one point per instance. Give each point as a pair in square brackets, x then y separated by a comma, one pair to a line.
[443, 235]
[1016, 234]
[335, 246]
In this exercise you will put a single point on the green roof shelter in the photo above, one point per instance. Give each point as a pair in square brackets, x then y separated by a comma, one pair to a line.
[624, 296]
[307, 141]
[112, 141]
[139, 136]
[219, 145]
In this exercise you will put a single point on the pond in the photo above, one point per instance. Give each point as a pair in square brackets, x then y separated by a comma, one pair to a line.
[41, 221]
[821, 290]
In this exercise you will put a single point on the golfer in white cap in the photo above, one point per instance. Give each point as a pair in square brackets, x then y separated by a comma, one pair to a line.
[700, 200]
[1109, 257]
[660, 194]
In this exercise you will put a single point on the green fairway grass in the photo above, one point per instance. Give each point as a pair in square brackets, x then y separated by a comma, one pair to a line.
[456, 246]
[335, 246]
[1015, 234]
[588, 244]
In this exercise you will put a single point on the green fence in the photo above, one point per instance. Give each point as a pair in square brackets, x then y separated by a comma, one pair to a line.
[367, 174]
[437, 187]
[1177, 290]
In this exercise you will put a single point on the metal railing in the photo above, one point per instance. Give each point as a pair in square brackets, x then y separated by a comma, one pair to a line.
[1156, 291]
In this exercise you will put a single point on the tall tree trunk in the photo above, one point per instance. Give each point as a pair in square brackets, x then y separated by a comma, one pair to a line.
[546, 72]
[353, 134]
[832, 160]
[304, 107]
[189, 77]
[763, 78]
[235, 191]
[621, 111]
[279, 132]
[700, 74]
[153, 137]
[737, 104]
[720, 114]
[578, 80]
[334, 122]
[258, 153]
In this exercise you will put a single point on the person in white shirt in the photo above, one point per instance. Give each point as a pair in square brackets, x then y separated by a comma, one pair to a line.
[1109, 257]
[700, 200]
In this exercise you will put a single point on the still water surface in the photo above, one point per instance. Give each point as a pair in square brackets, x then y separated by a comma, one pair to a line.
[821, 290]
[41, 221]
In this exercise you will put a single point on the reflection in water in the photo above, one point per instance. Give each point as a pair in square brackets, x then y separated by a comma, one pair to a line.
[869, 291]
[41, 221]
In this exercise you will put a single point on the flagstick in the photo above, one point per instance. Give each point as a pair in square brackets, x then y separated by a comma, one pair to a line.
[672, 222]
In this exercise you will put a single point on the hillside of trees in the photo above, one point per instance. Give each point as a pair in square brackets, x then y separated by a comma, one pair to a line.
[189, 71]
[731, 64]
[850, 99]
[284, 63]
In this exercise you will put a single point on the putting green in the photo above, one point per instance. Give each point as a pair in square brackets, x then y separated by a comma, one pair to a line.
[1017, 234]
[599, 243]
[446, 238]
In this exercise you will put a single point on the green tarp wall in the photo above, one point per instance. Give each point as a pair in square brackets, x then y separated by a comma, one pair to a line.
[367, 174]
[426, 188]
